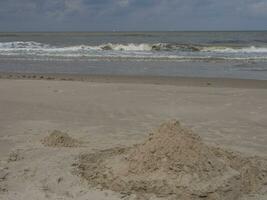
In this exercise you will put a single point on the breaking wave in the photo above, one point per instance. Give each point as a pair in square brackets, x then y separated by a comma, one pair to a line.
[109, 46]
[131, 50]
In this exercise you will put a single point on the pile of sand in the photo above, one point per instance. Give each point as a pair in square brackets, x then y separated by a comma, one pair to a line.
[59, 139]
[174, 162]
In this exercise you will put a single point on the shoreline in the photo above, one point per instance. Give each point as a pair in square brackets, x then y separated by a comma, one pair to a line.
[136, 79]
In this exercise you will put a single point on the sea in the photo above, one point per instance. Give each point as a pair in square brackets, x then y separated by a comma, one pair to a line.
[189, 54]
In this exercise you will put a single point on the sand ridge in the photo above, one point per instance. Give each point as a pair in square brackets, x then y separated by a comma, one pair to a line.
[175, 163]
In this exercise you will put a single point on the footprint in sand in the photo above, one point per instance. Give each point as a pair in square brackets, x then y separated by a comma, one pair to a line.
[14, 156]
[3, 180]
[59, 139]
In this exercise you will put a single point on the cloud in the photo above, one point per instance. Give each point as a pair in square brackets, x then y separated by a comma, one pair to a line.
[62, 9]
[132, 14]
[259, 9]
[123, 3]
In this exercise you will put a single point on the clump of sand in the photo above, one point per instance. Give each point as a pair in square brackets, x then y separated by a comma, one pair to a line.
[59, 139]
[174, 162]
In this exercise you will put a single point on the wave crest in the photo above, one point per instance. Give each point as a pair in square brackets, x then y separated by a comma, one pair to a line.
[21, 45]
[133, 51]
[133, 47]
[106, 47]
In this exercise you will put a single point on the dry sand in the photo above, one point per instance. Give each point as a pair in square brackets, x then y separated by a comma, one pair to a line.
[174, 163]
[105, 115]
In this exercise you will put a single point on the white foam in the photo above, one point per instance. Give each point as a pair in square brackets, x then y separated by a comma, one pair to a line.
[109, 46]
[22, 45]
[132, 51]
[251, 49]
[127, 47]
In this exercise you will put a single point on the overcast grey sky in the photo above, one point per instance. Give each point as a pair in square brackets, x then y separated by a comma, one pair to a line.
[121, 15]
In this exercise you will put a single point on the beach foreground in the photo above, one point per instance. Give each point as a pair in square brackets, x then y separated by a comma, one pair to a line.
[108, 112]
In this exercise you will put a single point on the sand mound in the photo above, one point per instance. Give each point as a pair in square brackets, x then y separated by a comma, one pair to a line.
[173, 148]
[59, 139]
[174, 162]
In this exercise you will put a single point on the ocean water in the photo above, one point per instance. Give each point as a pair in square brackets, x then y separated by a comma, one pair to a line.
[200, 54]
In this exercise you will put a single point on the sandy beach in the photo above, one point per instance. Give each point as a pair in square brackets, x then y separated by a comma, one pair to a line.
[103, 112]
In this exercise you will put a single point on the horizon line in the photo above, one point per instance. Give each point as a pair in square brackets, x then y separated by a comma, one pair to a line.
[137, 31]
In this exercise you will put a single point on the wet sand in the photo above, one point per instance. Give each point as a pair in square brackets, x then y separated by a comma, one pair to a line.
[158, 80]
[112, 111]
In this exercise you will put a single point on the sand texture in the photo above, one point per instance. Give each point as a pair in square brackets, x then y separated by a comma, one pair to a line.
[111, 119]
[59, 139]
[174, 162]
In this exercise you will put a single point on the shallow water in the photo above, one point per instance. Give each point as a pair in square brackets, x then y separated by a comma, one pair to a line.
[204, 54]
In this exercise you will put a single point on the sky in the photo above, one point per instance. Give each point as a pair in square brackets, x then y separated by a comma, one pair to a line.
[132, 15]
